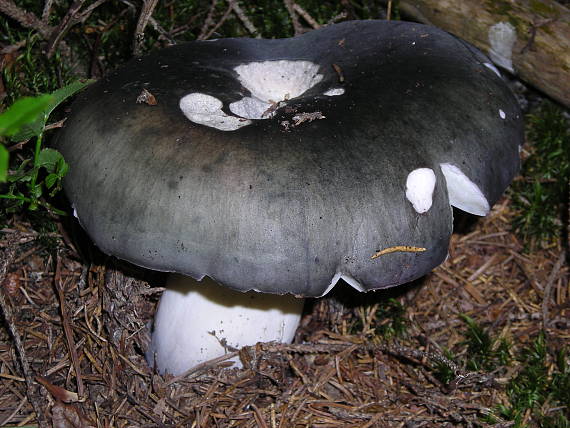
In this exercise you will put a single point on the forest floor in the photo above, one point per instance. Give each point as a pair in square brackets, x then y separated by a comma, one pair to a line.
[478, 342]
[481, 341]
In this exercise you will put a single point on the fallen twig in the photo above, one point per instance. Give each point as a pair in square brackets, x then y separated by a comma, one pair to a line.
[25, 18]
[219, 23]
[244, 18]
[548, 288]
[310, 20]
[66, 23]
[297, 27]
[395, 350]
[209, 21]
[163, 33]
[144, 17]
[47, 11]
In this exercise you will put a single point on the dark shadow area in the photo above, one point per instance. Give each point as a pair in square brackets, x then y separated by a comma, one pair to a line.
[464, 223]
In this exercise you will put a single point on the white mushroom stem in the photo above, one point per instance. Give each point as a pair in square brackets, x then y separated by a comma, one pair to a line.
[197, 321]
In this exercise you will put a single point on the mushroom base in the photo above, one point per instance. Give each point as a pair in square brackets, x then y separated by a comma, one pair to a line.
[197, 321]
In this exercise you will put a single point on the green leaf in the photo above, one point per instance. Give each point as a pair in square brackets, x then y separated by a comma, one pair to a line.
[22, 173]
[50, 159]
[30, 130]
[62, 168]
[64, 93]
[22, 113]
[50, 180]
[4, 156]
[36, 191]
[36, 127]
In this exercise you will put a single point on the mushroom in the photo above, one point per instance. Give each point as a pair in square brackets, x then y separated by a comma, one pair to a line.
[283, 166]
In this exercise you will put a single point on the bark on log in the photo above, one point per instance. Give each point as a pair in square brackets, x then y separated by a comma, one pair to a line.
[541, 49]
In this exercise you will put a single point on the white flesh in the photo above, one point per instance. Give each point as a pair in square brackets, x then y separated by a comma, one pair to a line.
[347, 278]
[194, 319]
[493, 68]
[463, 193]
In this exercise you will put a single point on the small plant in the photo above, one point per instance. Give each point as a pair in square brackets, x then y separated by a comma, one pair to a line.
[22, 113]
[28, 71]
[527, 390]
[543, 380]
[33, 178]
[386, 319]
[444, 372]
[539, 383]
[390, 319]
[485, 353]
[541, 194]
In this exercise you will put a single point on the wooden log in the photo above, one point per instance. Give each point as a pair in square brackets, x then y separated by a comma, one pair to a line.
[530, 38]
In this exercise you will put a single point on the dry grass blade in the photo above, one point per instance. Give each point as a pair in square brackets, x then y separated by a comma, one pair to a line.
[67, 329]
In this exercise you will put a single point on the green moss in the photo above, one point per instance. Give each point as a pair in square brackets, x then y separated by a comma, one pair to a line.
[442, 371]
[543, 9]
[390, 319]
[505, 9]
[31, 73]
[484, 352]
[540, 385]
[540, 197]
[558, 421]
[43, 223]
[498, 7]
[537, 384]
[388, 322]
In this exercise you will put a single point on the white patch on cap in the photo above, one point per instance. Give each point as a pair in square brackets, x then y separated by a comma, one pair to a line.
[334, 92]
[493, 68]
[420, 185]
[271, 82]
[463, 193]
[207, 110]
[278, 80]
[502, 114]
[252, 108]
[502, 37]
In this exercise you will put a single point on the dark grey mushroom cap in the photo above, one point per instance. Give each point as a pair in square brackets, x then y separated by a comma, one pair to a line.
[286, 204]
